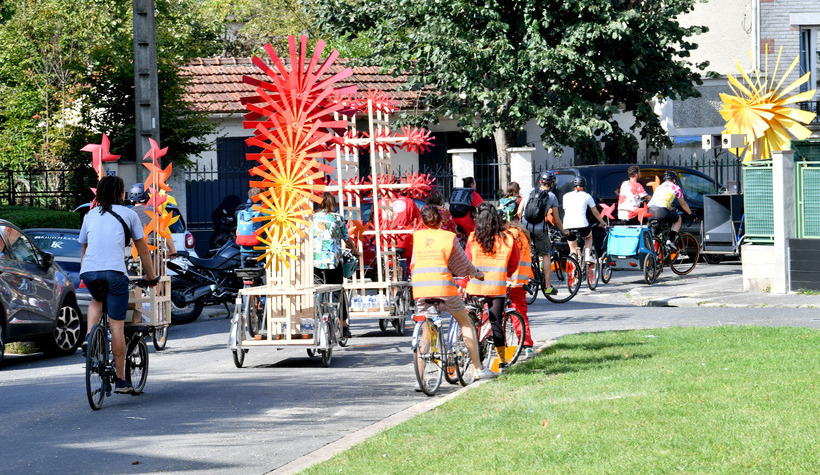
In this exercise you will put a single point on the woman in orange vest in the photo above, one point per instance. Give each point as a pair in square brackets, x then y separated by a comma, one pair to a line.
[436, 258]
[518, 296]
[494, 252]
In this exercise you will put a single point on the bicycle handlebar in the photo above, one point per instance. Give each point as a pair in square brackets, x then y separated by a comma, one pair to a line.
[145, 282]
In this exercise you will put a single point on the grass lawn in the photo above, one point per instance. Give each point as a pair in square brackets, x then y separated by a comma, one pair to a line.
[732, 400]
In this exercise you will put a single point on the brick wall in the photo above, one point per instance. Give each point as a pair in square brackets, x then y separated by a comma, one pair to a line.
[776, 30]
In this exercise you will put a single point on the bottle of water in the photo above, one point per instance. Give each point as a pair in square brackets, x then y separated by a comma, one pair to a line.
[356, 302]
[437, 321]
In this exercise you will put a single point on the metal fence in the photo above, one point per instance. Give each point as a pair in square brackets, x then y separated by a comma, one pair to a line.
[52, 189]
[811, 106]
[207, 187]
[442, 173]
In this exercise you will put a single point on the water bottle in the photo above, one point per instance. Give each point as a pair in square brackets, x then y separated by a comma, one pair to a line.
[356, 302]
[437, 321]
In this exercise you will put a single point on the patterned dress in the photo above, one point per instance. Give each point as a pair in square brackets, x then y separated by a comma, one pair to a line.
[329, 231]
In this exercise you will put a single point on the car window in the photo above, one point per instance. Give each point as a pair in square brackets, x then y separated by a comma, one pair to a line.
[21, 248]
[695, 186]
[59, 244]
[179, 226]
[610, 186]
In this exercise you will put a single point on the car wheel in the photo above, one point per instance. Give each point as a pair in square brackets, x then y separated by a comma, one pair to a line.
[67, 334]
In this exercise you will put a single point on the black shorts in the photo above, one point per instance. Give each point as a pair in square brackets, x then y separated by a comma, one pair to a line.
[583, 232]
[664, 215]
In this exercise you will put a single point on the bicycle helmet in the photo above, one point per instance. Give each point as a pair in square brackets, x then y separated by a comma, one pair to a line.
[546, 177]
[669, 175]
[579, 181]
[137, 193]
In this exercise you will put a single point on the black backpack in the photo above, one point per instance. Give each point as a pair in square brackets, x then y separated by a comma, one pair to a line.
[461, 202]
[536, 209]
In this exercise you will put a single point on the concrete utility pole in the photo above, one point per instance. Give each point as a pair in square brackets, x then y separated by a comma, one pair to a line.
[146, 89]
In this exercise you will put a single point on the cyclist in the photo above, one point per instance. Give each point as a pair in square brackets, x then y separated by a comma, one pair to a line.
[140, 197]
[542, 202]
[518, 296]
[659, 205]
[467, 222]
[630, 196]
[104, 235]
[437, 256]
[494, 252]
[576, 203]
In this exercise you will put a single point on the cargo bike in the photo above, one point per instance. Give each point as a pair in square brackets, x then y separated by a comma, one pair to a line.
[631, 248]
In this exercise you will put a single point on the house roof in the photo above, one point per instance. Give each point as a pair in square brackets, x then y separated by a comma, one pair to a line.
[216, 83]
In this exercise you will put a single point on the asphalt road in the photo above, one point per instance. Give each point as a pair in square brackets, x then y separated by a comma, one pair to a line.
[200, 413]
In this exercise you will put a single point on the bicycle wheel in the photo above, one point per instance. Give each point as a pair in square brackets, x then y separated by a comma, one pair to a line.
[514, 331]
[464, 365]
[97, 380]
[567, 280]
[160, 338]
[685, 258]
[256, 315]
[427, 358]
[450, 373]
[593, 271]
[136, 363]
[660, 253]
[606, 269]
[650, 269]
[535, 282]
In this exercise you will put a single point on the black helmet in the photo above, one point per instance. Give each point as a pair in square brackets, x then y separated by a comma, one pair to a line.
[137, 193]
[546, 177]
[580, 181]
[669, 175]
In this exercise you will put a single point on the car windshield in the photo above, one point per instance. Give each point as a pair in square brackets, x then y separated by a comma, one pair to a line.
[179, 225]
[57, 243]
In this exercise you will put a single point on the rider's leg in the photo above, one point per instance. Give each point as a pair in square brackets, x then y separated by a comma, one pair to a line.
[468, 335]
[677, 224]
[518, 299]
[547, 270]
[118, 345]
[497, 323]
[572, 241]
[94, 314]
[588, 247]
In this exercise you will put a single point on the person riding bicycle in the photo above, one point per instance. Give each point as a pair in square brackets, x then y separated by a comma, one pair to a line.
[630, 197]
[494, 252]
[576, 204]
[541, 206]
[437, 256]
[139, 197]
[661, 202]
[518, 296]
[467, 221]
[103, 238]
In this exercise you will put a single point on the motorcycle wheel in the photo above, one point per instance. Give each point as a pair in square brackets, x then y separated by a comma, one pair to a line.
[180, 312]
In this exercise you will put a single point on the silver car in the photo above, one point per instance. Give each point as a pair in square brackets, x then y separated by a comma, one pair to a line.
[37, 299]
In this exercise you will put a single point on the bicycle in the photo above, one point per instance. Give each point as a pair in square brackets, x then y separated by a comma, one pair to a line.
[513, 326]
[256, 323]
[591, 270]
[100, 369]
[681, 258]
[566, 274]
[428, 350]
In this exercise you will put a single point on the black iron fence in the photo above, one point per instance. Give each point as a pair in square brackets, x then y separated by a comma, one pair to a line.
[811, 106]
[52, 189]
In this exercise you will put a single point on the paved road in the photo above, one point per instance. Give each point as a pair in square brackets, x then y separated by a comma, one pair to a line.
[200, 413]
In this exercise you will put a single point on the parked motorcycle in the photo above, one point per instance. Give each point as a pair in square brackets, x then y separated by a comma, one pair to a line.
[201, 282]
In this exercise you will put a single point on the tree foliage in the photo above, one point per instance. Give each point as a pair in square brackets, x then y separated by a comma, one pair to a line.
[67, 75]
[571, 65]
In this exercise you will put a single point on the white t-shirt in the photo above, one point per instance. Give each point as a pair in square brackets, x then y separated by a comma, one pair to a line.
[105, 238]
[576, 204]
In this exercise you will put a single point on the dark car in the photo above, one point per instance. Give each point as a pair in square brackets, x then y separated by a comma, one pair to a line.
[37, 299]
[67, 250]
[604, 183]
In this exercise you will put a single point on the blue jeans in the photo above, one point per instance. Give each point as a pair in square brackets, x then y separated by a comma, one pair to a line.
[115, 299]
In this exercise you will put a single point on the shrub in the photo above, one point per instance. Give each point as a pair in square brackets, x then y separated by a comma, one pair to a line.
[29, 217]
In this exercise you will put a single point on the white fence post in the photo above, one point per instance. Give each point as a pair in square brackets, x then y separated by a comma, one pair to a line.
[521, 168]
[783, 183]
[463, 159]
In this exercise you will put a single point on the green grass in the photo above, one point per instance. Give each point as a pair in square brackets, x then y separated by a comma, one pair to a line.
[31, 217]
[20, 348]
[684, 400]
[808, 292]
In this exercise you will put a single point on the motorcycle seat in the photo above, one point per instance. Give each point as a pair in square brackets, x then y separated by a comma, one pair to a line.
[215, 263]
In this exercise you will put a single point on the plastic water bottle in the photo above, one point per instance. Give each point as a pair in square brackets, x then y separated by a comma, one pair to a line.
[437, 321]
[356, 302]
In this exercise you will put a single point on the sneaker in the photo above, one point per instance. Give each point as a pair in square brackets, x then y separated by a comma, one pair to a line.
[551, 290]
[85, 346]
[671, 245]
[122, 386]
[503, 367]
[485, 373]
[529, 352]
[418, 387]
[346, 333]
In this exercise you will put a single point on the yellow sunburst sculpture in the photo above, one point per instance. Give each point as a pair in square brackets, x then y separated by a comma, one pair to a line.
[760, 110]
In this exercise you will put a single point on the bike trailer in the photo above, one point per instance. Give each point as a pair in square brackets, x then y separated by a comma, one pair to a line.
[628, 246]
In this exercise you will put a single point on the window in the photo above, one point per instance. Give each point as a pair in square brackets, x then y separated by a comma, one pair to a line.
[808, 56]
[22, 249]
[695, 186]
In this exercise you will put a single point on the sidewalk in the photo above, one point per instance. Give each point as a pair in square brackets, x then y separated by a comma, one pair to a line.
[719, 286]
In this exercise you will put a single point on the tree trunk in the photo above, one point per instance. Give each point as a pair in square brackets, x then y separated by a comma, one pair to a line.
[501, 145]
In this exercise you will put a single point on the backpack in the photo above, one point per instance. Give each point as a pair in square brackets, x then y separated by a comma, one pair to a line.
[461, 202]
[536, 209]
[506, 208]
[245, 227]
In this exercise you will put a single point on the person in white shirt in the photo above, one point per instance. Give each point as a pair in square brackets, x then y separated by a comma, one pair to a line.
[576, 204]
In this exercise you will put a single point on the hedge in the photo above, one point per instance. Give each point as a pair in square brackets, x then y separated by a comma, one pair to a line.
[26, 217]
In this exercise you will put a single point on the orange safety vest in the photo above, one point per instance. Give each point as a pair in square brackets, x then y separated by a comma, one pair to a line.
[494, 267]
[524, 272]
[431, 276]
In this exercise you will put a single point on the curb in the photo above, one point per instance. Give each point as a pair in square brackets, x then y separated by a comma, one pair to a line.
[347, 442]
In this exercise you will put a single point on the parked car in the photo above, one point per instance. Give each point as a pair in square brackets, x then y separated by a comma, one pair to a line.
[37, 299]
[183, 239]
[604, 183]
[67, 250]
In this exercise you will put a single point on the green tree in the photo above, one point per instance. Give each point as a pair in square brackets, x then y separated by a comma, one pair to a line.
[571, 65]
